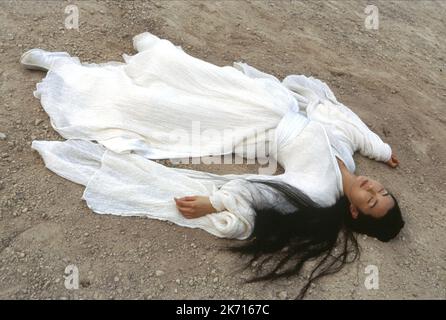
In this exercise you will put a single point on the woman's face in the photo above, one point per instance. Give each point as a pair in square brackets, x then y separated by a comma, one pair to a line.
[370, 197]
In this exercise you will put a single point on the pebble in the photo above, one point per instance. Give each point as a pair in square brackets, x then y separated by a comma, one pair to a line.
[2, 136]
[159, 273]
[22, 255]
[116, 279]
[37, 122]
[283, 295]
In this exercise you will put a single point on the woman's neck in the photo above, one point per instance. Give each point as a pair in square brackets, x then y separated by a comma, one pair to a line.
[347, 178]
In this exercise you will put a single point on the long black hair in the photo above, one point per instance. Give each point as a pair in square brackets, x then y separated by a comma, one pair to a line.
[284, 240]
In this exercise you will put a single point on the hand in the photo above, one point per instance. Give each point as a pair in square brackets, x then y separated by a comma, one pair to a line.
[393, 162]
[194, 206]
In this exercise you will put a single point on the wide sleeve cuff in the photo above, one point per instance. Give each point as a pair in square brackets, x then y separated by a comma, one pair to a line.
[387, 153]
[217, 202]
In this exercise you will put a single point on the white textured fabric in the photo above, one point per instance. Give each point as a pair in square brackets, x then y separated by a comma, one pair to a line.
[136, 106]
[131, 109]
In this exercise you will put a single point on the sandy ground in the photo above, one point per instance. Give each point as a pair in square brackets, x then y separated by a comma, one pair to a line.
[394, 78]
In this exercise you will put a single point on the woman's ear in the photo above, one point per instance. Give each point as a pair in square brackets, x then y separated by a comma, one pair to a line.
[354, 211]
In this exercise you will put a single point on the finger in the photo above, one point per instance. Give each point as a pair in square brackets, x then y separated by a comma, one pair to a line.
[185, 211]
[186, 204]
[188, 198]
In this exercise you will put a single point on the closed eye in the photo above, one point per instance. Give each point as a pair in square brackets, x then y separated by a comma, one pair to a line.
[383, 192]
[372, 204]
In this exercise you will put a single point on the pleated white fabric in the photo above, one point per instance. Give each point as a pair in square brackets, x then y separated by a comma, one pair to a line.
[163, 103]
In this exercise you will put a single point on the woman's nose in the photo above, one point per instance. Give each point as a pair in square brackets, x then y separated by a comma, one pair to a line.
[371, 190]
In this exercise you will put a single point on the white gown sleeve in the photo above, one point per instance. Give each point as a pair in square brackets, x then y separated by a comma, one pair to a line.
[323, 107]
[352, 130]
[235, 199]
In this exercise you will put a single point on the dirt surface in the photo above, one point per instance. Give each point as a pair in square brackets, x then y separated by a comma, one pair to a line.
[393, 77]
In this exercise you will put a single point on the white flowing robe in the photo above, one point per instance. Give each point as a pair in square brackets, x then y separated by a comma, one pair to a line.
[132, 110]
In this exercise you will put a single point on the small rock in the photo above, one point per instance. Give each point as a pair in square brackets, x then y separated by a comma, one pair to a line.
[178, 281]
[22, 255]
[215, 280]
[159, 273]
[85, 283]
[25, 210]
[37, 122]
[116, 279]
[2, 136]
